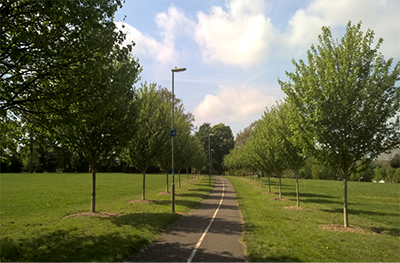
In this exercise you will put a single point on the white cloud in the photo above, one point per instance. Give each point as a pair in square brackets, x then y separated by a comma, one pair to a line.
[381, 16]
[147, 46]
[170, 24]
[233, 104]
[239, 36]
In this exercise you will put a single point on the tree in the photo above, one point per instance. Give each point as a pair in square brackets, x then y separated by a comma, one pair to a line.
[290, 153]
[379, 174]
[395, 161]
[103, 122]
[243, 136]
[182, 119]
[345, 101]
[222, 142]
[321, 171]
[271, 144]
[151, 135]
[202, 134]
[42, 41]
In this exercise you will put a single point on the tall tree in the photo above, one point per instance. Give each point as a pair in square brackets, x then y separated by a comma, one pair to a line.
[243, 136]
[42, 40]
[345, 101]
[270, 144]
[287, 151]
[151, 135]
[100, 125]
[221, 141]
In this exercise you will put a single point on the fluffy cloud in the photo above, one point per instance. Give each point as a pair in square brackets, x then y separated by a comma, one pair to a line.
[233, 104]
[239, 36]
[244, 35]
[170, 24]
[381, 16]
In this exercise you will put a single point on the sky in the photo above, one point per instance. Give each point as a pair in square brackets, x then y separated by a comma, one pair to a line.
[235, 50]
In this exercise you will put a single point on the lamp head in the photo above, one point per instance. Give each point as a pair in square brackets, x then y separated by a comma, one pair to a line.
[178, 69]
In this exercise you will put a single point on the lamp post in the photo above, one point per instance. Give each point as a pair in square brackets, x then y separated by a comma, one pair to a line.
[173, 133]
[209, 159]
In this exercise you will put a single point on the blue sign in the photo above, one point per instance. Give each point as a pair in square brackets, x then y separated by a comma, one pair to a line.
[173, 133]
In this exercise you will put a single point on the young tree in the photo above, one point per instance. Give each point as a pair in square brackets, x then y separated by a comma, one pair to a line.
[151, 135]
[345, 101]
[290, 153]
[102, 122]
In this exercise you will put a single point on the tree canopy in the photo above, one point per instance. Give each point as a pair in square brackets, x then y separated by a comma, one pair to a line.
[345, 101]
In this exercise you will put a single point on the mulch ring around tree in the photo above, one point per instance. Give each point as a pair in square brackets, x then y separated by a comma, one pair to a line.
[296, 208]
[341, 228]
[99, 214]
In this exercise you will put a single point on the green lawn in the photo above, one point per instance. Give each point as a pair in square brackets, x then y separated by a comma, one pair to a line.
[273, 233]
[33, 209]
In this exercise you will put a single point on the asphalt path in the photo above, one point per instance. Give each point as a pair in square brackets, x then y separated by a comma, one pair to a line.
[211, 232]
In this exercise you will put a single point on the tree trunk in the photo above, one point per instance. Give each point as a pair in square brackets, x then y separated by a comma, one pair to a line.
[297, 189]
[167, 183]
[269, 183]
[346, 219]
[144, 187]
[93, 208]
[280, 188]
[31, 154]
[179, 179]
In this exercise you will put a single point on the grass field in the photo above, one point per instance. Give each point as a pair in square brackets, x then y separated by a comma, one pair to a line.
[33, 209]
[273, 233]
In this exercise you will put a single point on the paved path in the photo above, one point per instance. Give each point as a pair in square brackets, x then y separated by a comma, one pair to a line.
[210, 233]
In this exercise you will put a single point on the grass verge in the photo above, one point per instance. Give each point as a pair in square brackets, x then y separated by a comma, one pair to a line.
[34, 209]
[273, 233]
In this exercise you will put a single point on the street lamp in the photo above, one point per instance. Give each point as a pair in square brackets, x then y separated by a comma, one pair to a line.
[173, 133]
[209, 159]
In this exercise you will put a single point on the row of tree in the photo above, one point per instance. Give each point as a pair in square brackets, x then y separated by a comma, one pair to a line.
[342, 108]
[68, 95]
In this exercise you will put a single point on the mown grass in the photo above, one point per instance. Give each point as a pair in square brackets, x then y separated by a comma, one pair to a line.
[273, 233]
[33, 209]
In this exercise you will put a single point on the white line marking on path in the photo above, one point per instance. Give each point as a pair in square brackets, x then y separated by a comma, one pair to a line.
[208, 227]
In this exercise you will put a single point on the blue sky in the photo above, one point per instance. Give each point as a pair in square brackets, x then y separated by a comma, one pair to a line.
[235, 50]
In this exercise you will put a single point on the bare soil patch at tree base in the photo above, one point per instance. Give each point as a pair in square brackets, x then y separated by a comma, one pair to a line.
[341, 228]
[99, 214]
[296, 208]
[259, 187]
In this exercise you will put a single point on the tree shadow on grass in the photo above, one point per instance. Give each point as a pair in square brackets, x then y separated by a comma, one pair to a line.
[61, 245]
[155, 222]
[309, 195]
[355, 212]
[73, 245]
[206, 190]
[282, 258]
[387, 231]
[176, 252]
